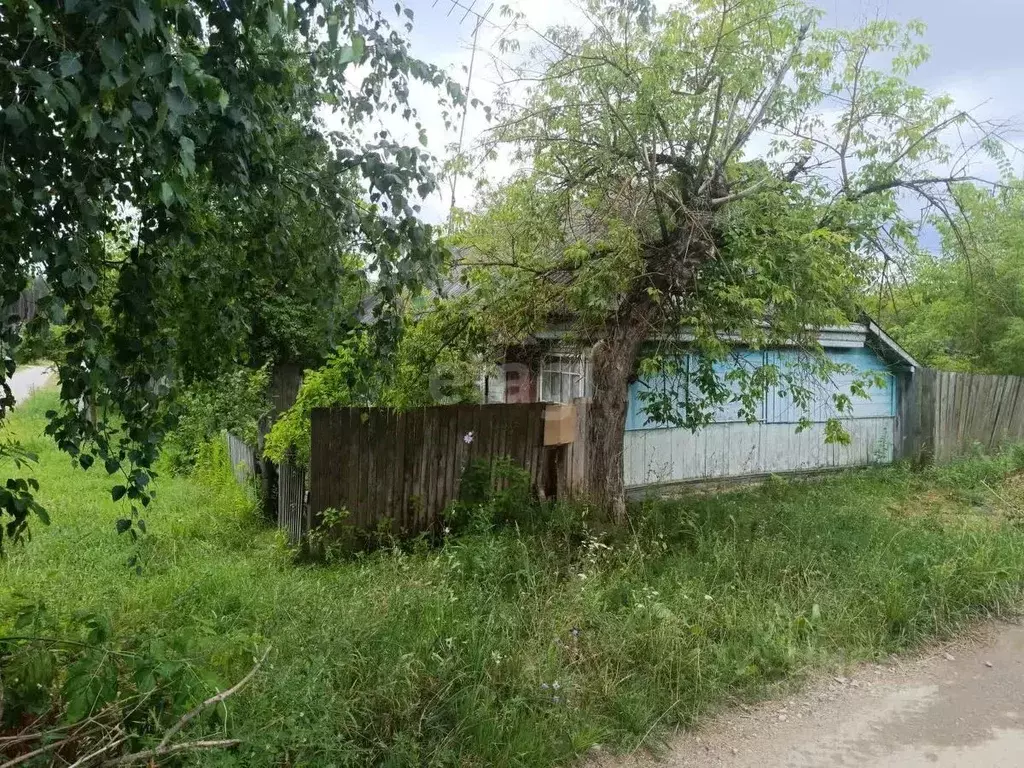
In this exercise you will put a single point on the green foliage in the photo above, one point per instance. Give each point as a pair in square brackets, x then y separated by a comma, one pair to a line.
[234, 401]
[167, 167]
[352, 376]
[438, 359]
[435, 362]
[74, 671]
[40, 342]
[493, 492]
[17, 492]
[334, 538]
[449, 656]
[962, 309]
[287, 309]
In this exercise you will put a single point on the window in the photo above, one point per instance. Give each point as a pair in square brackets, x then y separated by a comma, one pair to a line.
[562, 378]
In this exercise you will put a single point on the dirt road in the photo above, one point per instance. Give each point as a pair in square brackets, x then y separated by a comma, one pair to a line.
[28, 379]
[958, 706]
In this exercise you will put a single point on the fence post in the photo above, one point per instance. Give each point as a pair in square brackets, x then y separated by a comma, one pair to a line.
[929, 402]
[285, 380]
[576, 461]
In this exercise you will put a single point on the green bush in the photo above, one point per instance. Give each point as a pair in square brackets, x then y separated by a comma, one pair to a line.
[492, 492]
[235, 402]
[40, 342]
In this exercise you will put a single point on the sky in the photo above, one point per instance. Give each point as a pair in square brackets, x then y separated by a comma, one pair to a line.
[974, 58]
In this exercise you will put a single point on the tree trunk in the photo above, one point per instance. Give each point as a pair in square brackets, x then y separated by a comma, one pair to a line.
[671, 270]
[613, 362]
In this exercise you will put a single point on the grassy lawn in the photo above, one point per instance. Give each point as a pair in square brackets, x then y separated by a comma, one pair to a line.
[512, 647]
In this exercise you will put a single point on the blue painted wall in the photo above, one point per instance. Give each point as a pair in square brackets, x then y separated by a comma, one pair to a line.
[777, 407]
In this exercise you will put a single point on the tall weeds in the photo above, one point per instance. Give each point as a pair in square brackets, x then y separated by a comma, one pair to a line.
[527, 638]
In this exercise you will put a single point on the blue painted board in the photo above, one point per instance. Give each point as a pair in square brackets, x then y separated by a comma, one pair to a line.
[879, 401]
[778, 407]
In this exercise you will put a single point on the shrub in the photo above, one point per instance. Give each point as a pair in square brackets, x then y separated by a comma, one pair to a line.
[492, 492]
[235, 401]
[40, 342]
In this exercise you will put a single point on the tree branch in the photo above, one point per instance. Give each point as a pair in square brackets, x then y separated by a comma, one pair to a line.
[797, 169]
[34, 753]
[713, 133]
[213, 700]
[915, 184]
[754, 188]
[844, 147]
[84, 761]
[185, 746]
[755, 121]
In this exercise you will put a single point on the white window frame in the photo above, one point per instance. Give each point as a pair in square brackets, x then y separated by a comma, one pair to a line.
[574, 367]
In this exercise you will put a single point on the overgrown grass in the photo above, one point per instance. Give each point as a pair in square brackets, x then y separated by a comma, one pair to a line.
[514, 648]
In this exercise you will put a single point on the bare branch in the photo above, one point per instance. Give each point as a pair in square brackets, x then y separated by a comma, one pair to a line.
[844, 147]
[84, 761]
[212, 701]
[713, 133]
[162, 751]
[755, 121]
[34, 753]
[917, 184]
[754, 188]
[927, 135]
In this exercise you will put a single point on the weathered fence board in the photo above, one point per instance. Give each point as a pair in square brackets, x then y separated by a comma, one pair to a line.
[243, 459]
[943, 415]
[292, 510]
[407, 467]
[576, 458]
[291, 502]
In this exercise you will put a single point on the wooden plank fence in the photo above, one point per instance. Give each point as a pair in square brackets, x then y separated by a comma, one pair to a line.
[944, 415]
[407, 467]
[378, 463]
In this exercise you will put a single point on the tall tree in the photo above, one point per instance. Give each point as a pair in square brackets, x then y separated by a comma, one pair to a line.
[132, 113]
[963, 308]
[727, 167]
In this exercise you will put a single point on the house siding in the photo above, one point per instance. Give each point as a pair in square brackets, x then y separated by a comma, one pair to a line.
[731, 447]
[737, 449]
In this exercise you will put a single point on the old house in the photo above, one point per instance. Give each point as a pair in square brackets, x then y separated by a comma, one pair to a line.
[549, 368]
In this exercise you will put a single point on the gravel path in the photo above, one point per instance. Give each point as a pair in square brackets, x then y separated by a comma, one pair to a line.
[960, 705]
[28, 379]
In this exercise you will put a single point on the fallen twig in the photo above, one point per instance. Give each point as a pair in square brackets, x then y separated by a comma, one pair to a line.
[34, 753]
[188, 716]
[93, 755]
[116, 737]
[170, 749]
